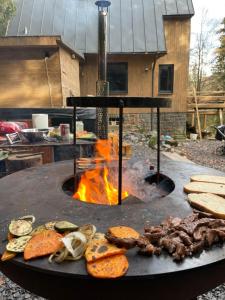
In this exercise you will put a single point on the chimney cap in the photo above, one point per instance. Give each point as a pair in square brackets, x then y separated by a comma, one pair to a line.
[103, 4]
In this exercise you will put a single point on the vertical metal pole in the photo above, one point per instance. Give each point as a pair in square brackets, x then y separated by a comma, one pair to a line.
[75, 146]
[153, 80]
[120, 152]
[102, 86]
[158, 144]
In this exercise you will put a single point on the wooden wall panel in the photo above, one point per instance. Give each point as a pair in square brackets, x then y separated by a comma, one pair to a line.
[23, 80]
[69, 75]
[177, 34]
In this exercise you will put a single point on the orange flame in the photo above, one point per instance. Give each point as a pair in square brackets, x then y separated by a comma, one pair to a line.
[96, 185]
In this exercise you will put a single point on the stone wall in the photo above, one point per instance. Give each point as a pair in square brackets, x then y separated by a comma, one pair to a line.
[171, 123]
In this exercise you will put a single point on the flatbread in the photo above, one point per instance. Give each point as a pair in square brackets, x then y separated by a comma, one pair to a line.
[204, 187]
[208, 178]
[98, 249]
[208, 202]
[110, 267]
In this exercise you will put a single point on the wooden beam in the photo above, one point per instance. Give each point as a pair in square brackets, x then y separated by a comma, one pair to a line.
[197, 114]
[25, 41]
[207, 105]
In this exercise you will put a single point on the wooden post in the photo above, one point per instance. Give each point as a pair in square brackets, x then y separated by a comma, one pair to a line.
[221, 116]
[205, 122]
[193, 119]
[197, 114]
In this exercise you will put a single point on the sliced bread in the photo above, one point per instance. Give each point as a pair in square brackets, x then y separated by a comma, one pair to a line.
[204, 187]
[208, 178]
[209, 203]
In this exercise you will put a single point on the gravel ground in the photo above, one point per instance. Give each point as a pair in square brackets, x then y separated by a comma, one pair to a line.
[203, 153]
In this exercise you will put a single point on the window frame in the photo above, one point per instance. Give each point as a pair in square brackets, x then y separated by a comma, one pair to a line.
[117, 92]
[166, 91]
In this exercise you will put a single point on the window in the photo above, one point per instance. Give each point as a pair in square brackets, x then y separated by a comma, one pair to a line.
[118, 77]
[166, 73]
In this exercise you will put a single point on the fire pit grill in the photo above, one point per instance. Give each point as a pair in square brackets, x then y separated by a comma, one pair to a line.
[121, 103]
[38, 191]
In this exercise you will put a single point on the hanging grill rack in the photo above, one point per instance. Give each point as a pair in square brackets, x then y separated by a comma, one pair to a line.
[120, 103]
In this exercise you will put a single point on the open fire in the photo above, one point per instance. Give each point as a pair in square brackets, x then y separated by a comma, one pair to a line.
[99, 185]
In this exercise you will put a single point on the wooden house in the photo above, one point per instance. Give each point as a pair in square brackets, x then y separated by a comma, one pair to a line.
[50, 52]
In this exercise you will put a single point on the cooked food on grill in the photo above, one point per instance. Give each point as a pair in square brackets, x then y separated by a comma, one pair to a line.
[184, 237]
[208, 178]
[208, 202]
[122, 236]
[205, 187]
[88, 230]
[29, 218]
[63, 226]
[74, 246]
[38, 230]
[109, 267]
[20, 227]
[10, 236]
[43, 243]
[7, 255]
[98, 249]
[50, 225]
[123, 232]
[18, 244]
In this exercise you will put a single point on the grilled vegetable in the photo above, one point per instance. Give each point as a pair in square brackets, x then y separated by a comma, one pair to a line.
[20, 227]
[50, 225]
[7, 255]
[98, 249]
[110, 267]
[18, 245]
[10, 236]
[88, 230]
[123, 232]
[75, 244]
[43, 243]
[38, 230]
[29, 218]
[63, 226]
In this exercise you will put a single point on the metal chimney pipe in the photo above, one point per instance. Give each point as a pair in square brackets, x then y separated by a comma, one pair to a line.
[102, 85]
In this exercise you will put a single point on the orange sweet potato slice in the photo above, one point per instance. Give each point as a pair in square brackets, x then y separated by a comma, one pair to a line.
[98, 249]
[123, 232]
[109, 267]
[7, 255]
[43, 243]
[10, 236]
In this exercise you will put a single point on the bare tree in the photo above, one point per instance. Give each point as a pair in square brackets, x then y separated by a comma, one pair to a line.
[200, 60]
[7, 10]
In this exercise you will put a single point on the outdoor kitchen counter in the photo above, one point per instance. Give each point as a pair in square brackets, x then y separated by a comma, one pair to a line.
[38, 191]
[55, 151]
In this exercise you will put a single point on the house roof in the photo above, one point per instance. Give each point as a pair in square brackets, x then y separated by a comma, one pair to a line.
[135, 26]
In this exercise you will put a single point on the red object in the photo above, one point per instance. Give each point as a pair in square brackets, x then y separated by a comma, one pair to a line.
[11, 127]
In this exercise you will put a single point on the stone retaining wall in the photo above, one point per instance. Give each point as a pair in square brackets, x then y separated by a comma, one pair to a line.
[171, 123]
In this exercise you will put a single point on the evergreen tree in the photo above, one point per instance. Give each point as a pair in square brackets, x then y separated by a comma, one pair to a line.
[7, 10]
[219, 68]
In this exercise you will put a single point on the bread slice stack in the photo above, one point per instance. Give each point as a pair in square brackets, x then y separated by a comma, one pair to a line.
[207, 193]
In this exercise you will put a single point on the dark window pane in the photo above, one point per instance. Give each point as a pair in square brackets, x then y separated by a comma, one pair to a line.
[166, 78]
[118, 77]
